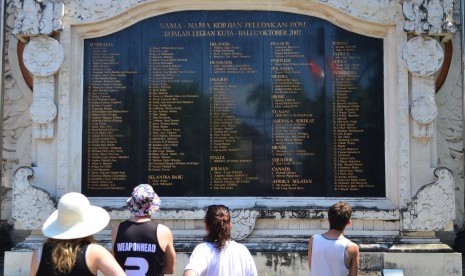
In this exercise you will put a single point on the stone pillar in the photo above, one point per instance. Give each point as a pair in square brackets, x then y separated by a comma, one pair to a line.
[43, 57]
[433, 205]
[36, 22]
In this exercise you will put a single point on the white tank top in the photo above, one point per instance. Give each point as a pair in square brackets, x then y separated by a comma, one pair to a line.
[328, 256]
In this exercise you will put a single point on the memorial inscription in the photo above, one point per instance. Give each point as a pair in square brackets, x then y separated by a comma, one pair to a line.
[234, 103]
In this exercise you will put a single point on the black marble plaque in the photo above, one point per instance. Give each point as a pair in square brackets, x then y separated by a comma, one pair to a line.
[234, 103]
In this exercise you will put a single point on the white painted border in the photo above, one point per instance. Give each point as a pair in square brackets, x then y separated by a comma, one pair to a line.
[396, 101]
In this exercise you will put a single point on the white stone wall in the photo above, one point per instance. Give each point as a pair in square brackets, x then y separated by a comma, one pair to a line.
[49, 142]
[423, 130]
[450, 128]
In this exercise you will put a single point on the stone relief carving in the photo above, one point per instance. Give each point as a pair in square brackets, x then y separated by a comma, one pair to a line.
[31, 205]
[17, 130]
[90, 10]
[433, 207]
[432, 17]
[43, 112]
[172, 214]
[382, 11]
[449, 128]
[243, 220]
[37, 17]
[423, 111]
[43, 57]
[423, 56]
[23, 101]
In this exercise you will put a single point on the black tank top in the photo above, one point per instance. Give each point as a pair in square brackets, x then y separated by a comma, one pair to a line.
[137, 249]
[46, 267]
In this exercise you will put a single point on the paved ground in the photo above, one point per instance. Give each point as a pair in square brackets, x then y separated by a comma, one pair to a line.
[2, 261]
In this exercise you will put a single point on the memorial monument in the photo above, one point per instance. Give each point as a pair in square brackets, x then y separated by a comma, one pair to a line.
[275, 109]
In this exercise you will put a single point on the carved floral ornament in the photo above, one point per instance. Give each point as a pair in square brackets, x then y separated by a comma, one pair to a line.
[43, 56]
[37, 17]
[43, 111]
[377, 11]
[433, 17]
[433, 206]
[423, 56]
[424, 110]
[243, 220]
[31, 205]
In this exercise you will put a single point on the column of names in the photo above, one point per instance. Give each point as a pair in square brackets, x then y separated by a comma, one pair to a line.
[348, 169]
[288, 121]
[166, 103]
[226, 60]
[105, 113]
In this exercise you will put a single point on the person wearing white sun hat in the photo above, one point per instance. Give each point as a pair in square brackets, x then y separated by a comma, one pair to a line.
[71, 248]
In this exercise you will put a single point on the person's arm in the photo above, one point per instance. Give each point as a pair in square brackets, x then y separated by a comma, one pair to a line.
[252, 268]
[165, 239]
[99, 258]
[114, 231]
[190, 272]
[353, 252]
[197, 261]
[34, 264]
[310, 244]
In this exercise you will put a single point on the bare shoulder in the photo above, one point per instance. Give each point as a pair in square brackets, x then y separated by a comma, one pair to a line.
[310, 241]
[165, 237]
[163, 229]
[190, 272]
[97, 250]
[114, 230]
[96, 247]
[352, 248]
[165, 240]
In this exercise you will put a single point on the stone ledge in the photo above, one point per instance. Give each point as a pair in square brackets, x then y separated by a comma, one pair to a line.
[421, 248]
[285, 245]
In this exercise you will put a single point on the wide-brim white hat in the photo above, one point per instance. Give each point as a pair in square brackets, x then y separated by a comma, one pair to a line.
[75, 218]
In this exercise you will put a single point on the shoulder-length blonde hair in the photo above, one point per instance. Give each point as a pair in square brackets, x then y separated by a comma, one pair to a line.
[64, 252]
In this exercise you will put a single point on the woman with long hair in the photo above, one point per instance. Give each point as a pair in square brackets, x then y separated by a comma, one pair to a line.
[71, 248]
[218, 255]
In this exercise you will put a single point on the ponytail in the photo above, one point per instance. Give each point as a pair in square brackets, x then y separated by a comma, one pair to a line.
[218, 222]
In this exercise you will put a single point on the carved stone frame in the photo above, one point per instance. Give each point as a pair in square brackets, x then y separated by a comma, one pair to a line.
[416, 204]
[396, 100]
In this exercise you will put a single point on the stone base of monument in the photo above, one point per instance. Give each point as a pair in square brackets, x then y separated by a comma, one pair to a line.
[291, 258]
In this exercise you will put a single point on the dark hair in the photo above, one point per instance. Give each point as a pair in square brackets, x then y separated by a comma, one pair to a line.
[218, 222]
[339, 215]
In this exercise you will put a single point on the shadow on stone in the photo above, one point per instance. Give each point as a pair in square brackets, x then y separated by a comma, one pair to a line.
[5, 238]
[459, 242]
